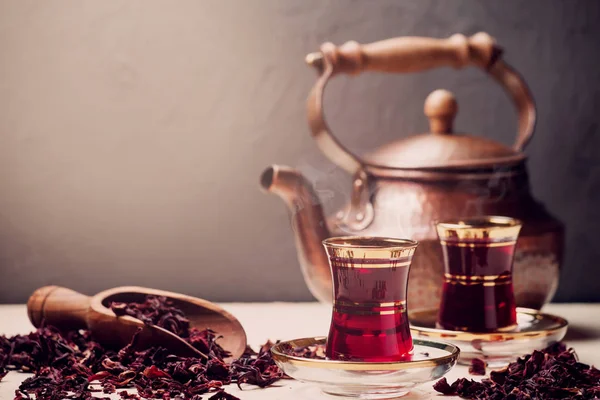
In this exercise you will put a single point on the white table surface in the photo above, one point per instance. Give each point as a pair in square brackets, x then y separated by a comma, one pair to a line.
[285, 321]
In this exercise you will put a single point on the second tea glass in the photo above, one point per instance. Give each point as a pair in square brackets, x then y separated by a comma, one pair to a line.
[369, 320]
[477, 293]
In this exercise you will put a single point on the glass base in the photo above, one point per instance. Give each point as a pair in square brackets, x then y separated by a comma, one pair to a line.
[360, 392]
[509, 328]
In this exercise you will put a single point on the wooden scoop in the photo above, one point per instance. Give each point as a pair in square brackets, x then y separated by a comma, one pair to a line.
[67, 309]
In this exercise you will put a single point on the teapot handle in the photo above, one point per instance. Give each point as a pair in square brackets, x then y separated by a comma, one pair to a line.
[412, 54]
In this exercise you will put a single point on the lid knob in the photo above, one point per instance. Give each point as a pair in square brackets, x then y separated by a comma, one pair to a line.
[441, 108]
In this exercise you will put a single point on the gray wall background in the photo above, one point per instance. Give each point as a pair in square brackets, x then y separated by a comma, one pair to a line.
[133, 134]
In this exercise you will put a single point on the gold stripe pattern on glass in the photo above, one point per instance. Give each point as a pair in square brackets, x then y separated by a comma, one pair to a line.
[474, 283]
[485, 280]
[370, 303]
[477, 277]
[366, 312]
[339, 264]
[350, 308]
[484, 244]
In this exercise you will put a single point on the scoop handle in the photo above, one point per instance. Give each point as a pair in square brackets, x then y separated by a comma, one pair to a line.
[58, 306]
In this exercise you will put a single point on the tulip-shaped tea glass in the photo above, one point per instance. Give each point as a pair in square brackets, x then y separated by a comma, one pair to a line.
[369, 321]
[478, 295]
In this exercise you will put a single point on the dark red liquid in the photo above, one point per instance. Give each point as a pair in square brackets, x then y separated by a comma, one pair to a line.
[369, 321]
[478, 292]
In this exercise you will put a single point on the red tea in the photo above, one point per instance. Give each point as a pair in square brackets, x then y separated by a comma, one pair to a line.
[477, 293]
[369, 320]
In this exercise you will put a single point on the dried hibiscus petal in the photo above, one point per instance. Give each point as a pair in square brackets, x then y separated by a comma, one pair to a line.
[222, 395]
[442, 386]
[477, 367]
[153, 372]
[126, 395]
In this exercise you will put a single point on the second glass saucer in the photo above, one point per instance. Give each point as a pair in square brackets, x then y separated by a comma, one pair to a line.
[535, 331]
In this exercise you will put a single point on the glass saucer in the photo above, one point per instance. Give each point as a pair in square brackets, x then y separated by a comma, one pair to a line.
[535, 331]
[365, 380]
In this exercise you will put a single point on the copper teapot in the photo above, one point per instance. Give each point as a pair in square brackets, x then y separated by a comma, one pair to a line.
[400, 189]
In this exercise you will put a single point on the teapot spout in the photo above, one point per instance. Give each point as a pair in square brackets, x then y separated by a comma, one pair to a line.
[308, 224]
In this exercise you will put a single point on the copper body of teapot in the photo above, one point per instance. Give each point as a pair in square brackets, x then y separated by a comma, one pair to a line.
[402, 188]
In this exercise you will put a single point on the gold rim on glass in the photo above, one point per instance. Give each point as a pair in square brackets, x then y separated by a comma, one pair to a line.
[369, 242]
[488, 227]
[499, 335]
[281, 356]
[370, 249]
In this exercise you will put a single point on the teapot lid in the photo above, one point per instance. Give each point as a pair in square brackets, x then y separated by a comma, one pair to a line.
[442, 148]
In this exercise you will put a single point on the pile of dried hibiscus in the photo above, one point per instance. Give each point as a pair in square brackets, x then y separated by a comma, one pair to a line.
[65, 364]
[72, 365]
[553, 373]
